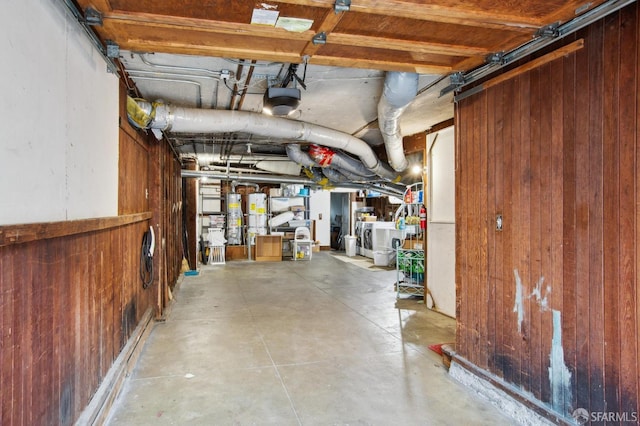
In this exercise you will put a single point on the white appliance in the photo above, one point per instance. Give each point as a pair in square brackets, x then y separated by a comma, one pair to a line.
[371, 238]
[257, 207]
[234, 219]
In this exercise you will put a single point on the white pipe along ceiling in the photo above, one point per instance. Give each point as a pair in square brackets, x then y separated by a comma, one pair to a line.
[400, 88]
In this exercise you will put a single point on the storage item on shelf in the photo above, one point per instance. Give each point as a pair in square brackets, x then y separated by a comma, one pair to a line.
[288, 213]
[410, 255]
[280, 219]
[410, 272]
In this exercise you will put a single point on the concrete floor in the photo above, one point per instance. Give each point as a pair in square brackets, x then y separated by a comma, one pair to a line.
[319, 342]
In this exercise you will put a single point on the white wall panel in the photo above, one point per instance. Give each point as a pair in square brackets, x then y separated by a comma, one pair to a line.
[58, 119]
[320, 211]
[441, 253]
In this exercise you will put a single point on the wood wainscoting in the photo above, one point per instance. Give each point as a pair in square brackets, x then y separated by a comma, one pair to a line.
[549, 303]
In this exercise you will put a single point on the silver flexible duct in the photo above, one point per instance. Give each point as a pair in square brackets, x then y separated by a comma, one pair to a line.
[400, 88]
[296, 154]
[347, 166]
[335, 176]
[326, 157]
[189, 120]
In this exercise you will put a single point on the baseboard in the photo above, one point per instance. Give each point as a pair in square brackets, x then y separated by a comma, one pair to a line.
[97, 411]
[524, 410]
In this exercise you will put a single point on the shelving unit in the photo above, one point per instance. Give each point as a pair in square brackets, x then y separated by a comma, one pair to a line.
[411, 256]
[301, 218]
[211, 214]
[268, 248]
[211, 217]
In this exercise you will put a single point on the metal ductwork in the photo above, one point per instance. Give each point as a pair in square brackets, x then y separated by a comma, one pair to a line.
[400, 88]
[335, 175]
[326, 157]
[297, 155]
[158, 116]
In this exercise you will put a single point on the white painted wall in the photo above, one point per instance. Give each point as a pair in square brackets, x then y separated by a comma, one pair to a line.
[441, 242]
[58, 118]
[320, 211]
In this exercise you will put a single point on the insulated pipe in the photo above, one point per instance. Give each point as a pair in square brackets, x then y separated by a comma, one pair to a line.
[326, 157]
[189, 120]
[279, 179]
[254, 178]
[345, 174]
[344, 162]
[400, 88]
[296, 154]
[339, 162]
[335, 176]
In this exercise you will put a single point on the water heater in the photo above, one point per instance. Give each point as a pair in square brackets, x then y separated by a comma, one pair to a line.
[257, 208]
[234, 219]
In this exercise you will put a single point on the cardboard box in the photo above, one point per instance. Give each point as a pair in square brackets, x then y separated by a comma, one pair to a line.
[412, 245]
[275, 192]
[316, 246]
[296, 209]
[370, 218]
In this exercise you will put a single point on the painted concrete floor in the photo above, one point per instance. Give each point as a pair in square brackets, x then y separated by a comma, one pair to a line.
[320, 342]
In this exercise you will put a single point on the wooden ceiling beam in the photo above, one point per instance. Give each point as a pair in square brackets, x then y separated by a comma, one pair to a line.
[329, 23]
[142, 45]
[405, 45]
[416, 9]
[386, 65]
[249, 30]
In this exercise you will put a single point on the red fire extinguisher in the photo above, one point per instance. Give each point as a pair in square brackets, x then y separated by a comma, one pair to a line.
[423, 217]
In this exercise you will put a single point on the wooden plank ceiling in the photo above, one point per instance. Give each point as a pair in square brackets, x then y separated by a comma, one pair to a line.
[436, 37]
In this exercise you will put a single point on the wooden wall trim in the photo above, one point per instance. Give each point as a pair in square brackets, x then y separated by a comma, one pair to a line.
[19, 234]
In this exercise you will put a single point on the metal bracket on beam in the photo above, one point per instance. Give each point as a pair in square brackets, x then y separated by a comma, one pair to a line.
[93, 17]
[320, 38]
[113, 49]
[550, 30]
[456, 80]
[342, 6]
[495, 58]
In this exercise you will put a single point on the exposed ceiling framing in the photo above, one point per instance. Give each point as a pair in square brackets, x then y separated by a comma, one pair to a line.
[209, 54]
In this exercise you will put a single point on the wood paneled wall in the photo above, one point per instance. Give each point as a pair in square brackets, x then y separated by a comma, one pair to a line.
[71, 293]
[550, 305]
[68, 305]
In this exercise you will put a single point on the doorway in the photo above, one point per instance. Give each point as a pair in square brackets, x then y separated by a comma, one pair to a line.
[339, 219]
